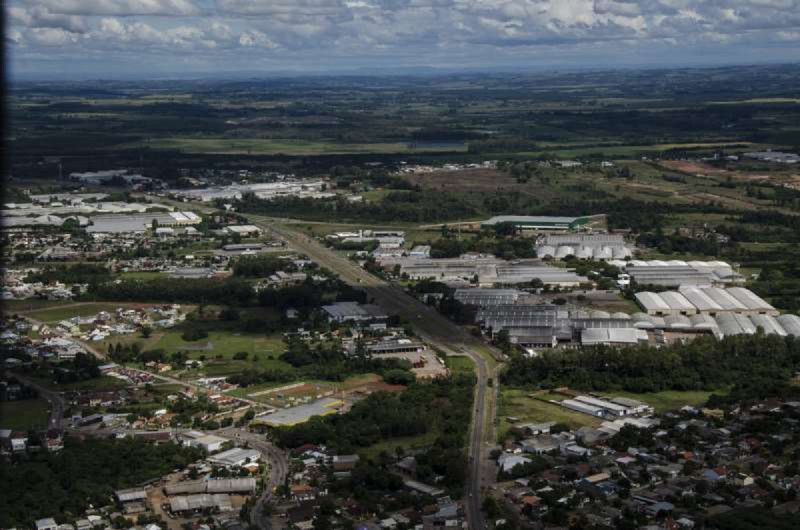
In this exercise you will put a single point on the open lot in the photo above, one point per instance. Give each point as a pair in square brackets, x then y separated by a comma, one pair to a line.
[529, 407]
[24, 415]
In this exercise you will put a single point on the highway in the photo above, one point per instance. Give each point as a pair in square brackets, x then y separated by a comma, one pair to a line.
[437, 331]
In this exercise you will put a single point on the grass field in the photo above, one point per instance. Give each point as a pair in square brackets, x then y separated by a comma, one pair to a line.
[31, 304]
[668, 399]
[518, 403]
[268, 146]
[56, 314]
[459, 364]
[219, 348]
[142, 275]
[100, 383]
[24, 415]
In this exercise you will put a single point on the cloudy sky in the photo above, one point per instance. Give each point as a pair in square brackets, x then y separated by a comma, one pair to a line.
[175, 37]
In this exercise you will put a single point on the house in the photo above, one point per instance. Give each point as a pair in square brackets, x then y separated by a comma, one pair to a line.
[344, 462]
[302, 492]
[18, 441]
[46, 524]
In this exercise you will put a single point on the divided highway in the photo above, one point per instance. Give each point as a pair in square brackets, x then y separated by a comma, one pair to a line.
[437, 331]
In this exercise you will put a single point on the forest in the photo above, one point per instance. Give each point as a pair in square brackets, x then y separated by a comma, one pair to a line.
[441, 406]
[745, 366]
[64, 484]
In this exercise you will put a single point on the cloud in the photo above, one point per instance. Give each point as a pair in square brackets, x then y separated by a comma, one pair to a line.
[423, 30]
[121, 7]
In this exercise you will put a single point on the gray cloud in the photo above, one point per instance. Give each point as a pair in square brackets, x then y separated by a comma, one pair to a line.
[428, 31]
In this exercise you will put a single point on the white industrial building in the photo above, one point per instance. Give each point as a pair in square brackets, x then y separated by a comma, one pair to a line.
[583, 246]
[209, 442]
[235, 457]
[705, 300]
[353, 311]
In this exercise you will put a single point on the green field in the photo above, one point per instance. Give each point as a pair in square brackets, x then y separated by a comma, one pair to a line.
[24, 415]
[56, 314]
[99, 383]
[268, 146]
[219, 348]
[668, 399]
[31, 304]
[518, 403]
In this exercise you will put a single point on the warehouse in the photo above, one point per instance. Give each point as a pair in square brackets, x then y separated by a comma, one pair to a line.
[235, 457]
[226, 485]
[613, 336]
[199, 502]
[353, 311]
[527, 222]
[489, 270]
[665, 303]
[209, 442]
[391, 346]
[487, 297]
[612, 409]
[585, 408]
[706, 300]
[139, 223]
[583, 246]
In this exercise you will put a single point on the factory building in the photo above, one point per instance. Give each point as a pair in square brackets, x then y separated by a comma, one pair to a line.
[139, 223]
[489, 270]
[353, 311]
[707, 300]
[583, 246]
[487, 297]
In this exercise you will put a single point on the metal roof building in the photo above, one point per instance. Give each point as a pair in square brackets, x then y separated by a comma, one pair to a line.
[487, 297]
[768, 324]
[131, 494]
[733, 324]
[344, 311]
[237, 456]
[538, 222]
[790, 324]
[232, 485]
[594, 336]
[199, 502]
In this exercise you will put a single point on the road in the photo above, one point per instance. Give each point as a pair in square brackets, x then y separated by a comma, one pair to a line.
[278, 468]
[437, 331]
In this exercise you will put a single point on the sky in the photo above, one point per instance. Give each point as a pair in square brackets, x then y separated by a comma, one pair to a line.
[174, 38]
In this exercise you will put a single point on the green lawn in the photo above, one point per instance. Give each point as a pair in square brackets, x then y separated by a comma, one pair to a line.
[668, 399]
[459, 364]
[219, 348]
[24, 415]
